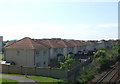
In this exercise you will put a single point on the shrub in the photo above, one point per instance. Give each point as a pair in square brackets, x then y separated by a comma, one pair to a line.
[86, 74]
[66, 64]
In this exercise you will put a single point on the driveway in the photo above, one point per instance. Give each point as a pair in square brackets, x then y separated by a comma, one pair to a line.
[20, 79]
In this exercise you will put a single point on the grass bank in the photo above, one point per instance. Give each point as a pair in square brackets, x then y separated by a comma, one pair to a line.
[45, 79]
[39, 78]
[8, 81]
[1, 56]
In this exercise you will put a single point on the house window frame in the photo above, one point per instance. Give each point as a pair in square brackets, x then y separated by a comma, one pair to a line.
[44, 52]
[55, 50]
[18, 52]
[37, 52]
[44, 62]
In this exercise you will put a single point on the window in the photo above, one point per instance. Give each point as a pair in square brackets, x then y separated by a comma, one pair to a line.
[37, 52]
[44, 63]
[18, 52]
[38, 64]
[55, 50]
[44, 52]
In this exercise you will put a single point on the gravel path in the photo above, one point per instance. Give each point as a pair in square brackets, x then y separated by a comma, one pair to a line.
[20, 79]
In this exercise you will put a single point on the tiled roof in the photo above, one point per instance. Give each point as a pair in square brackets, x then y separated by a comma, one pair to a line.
[72, 43]
[9, 43]
[79, 43]
[76, 43]
[28, 43]
[118, 40]
[25, 43]
[50, 43]
[64, 43]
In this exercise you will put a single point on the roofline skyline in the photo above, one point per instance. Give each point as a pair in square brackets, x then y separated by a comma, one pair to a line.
[61, 38]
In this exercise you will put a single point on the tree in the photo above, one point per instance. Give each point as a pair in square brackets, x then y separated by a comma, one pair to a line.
[117, 48]
[86, 74]
[102, 59]
[67, 63]
[105, 58]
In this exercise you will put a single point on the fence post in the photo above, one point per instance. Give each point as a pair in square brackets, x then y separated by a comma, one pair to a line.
[49, 72]
[21, 69]
[67, 74]
[8, 68]
[35, 70]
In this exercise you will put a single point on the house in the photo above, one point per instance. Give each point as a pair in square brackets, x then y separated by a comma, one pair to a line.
[55, 50]
[78, 46]
[74, 46]
[68, 48]
[46, 52]
[81, 46]
[101, 43]
[117, 42]
[27, 52]
[8, 44]
[111, 43]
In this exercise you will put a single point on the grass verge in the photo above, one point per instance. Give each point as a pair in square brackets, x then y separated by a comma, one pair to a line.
[8, 81]
[39, 78]
[45, 79]
[1, 56]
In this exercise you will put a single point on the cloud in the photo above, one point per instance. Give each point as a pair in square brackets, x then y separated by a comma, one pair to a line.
[42, 27]
[25, 28]
[18, 1]
[115, 25]
[77, 31]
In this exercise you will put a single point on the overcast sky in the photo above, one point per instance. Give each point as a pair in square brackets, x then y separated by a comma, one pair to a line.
[65, 19]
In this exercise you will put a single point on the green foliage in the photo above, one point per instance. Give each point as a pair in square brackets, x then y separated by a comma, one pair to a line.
[40, 79]
[5, 42]
[67, 63]
[100, 53]
[1, 56]
[8, 81]
[117, 48]
[106, 57]
[102, 59]
[103, 48]
[86, 74]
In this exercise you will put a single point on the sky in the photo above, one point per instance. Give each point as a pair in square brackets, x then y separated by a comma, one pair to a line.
[66, 19]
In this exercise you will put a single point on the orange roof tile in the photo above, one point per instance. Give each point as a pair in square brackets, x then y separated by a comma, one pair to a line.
[25, 43]
[9, 43]
[64, 43]
[50, 43]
